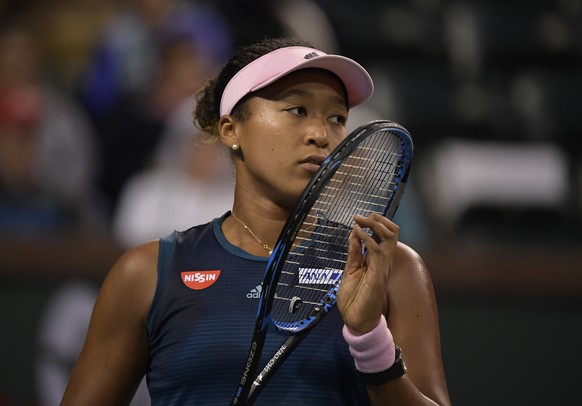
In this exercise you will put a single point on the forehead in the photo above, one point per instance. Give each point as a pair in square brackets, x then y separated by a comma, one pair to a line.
[309, 81]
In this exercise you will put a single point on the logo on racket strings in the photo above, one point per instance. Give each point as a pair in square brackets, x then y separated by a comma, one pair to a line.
[315, 276]
[198, 280]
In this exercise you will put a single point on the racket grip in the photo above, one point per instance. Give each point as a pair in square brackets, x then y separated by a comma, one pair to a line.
[374, 351]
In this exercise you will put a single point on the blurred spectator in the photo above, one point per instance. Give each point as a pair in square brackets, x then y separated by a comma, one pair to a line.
[308, 20]
[129, 53]
[132, 131]
[190, 184]
[152, 55]
[67, 31]
[47, 154]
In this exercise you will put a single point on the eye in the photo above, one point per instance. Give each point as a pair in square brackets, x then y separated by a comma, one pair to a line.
[298, 111]
[339, 119]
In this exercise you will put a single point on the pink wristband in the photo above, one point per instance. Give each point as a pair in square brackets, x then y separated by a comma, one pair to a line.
[374, 351]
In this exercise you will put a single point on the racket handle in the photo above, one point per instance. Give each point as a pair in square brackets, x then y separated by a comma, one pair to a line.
[284, 351]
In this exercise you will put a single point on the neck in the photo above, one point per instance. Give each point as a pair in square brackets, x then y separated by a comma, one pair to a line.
[265, 246]
[252, 232]
[259, 213]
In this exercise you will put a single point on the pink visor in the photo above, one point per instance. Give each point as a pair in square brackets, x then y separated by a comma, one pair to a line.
[268, 68]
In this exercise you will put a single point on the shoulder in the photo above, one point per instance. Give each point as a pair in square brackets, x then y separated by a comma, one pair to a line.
[139, 261]
[407, 257]
[410, 279]
[408, 263]
[133, 277]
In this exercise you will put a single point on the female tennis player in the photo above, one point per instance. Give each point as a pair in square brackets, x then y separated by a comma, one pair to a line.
[181, 310]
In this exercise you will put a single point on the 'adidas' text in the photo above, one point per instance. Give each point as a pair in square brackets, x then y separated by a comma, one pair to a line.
[255, 293]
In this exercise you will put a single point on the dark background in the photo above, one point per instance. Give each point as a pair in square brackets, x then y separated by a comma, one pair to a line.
[508, 276]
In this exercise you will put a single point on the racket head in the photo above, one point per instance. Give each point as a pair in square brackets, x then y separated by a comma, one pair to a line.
[365, 174]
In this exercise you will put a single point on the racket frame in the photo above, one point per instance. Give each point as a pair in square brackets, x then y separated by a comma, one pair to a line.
[246, 393]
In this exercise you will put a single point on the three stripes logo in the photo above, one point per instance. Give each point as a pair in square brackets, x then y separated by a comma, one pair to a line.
[311, 55]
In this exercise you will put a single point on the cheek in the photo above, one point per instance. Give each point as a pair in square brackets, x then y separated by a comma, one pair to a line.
[282, 146]
[268, 134]
[337, 137]
[275, 141]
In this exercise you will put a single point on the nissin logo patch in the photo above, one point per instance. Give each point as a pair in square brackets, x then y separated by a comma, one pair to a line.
[198, 280]
[314, 276]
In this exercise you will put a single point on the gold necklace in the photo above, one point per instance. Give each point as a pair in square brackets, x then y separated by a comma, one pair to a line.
[265, 246]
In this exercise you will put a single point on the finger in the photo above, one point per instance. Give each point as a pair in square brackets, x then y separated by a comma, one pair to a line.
[383, 230]
[377, 223]
[355, 257]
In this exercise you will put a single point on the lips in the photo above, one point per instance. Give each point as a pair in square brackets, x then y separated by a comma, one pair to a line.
[312, 162]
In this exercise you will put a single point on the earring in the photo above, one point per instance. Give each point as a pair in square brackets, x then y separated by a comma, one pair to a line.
[237, 151]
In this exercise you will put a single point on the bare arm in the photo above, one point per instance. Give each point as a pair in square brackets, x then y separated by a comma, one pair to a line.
[413, 321]
[115, 355]
[391, 279]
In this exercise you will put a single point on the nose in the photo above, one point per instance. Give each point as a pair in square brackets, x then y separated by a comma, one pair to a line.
[317, 135]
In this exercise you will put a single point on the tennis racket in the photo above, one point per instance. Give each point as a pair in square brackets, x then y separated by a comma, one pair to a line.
[365, 174]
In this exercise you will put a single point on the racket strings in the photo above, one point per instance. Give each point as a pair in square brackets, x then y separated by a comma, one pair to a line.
[363, 183]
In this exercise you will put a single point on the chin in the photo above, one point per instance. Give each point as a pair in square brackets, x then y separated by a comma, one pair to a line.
[291, 191]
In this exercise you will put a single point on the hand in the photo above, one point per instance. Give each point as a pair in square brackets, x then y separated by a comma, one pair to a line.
[362, 295]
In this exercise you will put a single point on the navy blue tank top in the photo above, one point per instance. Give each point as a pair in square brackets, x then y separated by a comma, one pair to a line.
[200, 328]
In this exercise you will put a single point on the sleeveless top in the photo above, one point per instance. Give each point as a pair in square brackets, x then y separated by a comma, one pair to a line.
[200, 329]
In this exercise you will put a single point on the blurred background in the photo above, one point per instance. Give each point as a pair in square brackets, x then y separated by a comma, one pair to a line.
[98, 152]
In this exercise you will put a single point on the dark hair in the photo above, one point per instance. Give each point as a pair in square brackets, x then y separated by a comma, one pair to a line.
[207, 113]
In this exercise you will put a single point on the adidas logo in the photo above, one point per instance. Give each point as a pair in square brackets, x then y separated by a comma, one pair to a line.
[311, 55]
[255, 292]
